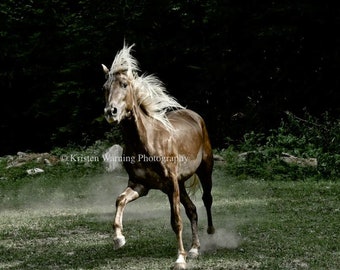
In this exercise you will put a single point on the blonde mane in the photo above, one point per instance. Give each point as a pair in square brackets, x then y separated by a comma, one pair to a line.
[124, 62]
[150, 92]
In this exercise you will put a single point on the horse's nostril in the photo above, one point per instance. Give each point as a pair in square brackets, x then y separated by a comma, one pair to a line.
[110, 111]
[113, 111]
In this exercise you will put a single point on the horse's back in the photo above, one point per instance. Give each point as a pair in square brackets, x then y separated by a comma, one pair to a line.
[185, 119]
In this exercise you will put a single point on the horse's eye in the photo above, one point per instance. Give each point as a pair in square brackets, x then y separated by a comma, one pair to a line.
[123, 84]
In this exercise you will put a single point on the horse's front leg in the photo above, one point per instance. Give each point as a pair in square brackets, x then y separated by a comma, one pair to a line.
[130, 194]
[177, 226]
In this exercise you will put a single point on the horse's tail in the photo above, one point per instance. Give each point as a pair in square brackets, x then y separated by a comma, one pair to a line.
[193, 184]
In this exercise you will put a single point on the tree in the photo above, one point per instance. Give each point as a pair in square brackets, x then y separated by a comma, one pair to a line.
[239, 64]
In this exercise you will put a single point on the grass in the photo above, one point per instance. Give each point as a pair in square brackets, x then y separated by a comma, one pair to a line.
[62, 220]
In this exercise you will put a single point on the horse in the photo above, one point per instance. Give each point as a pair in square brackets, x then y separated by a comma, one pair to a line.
[165, 145]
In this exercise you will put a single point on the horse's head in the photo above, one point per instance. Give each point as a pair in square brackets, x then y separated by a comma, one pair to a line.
[118, 86]
[118, 90]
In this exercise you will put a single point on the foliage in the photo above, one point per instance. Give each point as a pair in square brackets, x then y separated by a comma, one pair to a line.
[307, 137]
[74, 161]
[239, 64]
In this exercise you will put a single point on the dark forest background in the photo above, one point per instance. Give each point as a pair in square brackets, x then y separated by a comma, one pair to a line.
[240, 64]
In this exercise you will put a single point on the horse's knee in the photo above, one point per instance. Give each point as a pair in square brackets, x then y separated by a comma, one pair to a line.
[191, 212]
[191, 208]
[176, 224]
[121, 200]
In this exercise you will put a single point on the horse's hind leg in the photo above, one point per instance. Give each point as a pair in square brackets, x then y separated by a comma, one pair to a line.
[204, 173]
[131, 193]
[190, 210]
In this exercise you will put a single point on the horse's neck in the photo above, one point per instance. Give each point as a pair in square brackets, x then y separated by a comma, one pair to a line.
[136, 132]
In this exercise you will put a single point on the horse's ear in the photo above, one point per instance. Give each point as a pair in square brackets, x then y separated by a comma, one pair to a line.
[106, 70]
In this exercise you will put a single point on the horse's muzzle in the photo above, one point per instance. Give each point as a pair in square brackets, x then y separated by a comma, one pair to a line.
[110, 114]
[111, 111]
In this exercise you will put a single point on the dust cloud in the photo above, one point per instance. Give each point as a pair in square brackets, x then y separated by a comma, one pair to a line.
[97, 195]
[222, 238]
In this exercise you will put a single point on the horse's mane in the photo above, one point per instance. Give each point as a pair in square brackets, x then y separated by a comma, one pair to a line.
[150, 92]
[125, 62]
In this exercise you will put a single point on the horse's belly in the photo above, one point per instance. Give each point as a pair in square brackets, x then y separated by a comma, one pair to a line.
[188, 165]
[148, 176]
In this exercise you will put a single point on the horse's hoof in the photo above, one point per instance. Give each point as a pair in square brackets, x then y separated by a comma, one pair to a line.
[180, 262]
[180, 266]
[193, 253]
[211, 230]
[119, 242]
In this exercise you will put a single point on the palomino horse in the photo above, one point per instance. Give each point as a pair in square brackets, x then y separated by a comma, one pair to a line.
[165, 145]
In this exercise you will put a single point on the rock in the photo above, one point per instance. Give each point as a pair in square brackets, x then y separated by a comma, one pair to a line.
[34, 171]
[113, 159]
[303, 162]
[22, 158]
[285, 157]
[243, 156]
[21, 154]
[47, 162]
[218, 158]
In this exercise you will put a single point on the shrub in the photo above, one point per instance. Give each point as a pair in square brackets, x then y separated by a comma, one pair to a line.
[307, 137]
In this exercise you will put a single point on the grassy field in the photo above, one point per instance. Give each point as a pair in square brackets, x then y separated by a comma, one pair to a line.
[61, 219]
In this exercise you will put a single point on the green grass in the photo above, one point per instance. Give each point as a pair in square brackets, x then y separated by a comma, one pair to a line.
[62, 220]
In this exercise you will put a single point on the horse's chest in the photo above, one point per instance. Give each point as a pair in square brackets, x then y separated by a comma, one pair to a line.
[150, 175]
